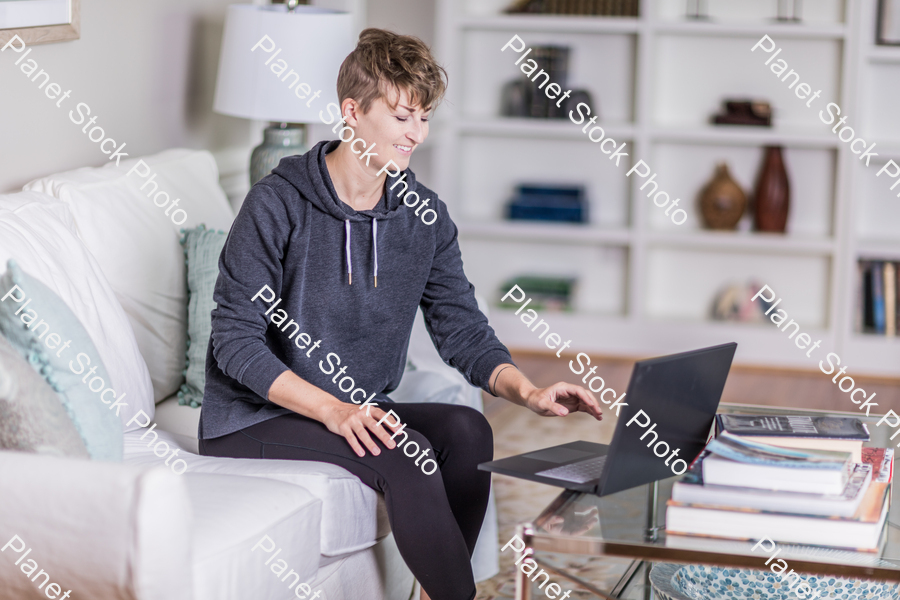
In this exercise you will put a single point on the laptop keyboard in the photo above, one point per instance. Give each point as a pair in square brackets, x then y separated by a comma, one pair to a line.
[579, 472]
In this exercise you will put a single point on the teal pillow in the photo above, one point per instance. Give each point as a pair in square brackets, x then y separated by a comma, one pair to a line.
[51, 347]
[202, 248]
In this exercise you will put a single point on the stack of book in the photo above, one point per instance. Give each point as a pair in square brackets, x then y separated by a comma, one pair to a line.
[835, 495]
[549, 203]
[877, 297]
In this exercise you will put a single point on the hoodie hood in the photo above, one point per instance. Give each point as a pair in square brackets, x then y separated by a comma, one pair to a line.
[308, 173]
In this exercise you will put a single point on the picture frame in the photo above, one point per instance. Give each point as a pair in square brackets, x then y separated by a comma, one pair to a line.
[887, 29]
[40, 21]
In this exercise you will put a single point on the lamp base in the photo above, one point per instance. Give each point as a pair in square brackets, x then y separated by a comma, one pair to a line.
[286, 139]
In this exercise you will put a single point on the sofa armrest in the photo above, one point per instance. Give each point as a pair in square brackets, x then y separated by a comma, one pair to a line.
[106, 531]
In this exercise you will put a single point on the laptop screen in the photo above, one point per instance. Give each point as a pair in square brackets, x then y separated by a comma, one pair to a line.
[672, 403]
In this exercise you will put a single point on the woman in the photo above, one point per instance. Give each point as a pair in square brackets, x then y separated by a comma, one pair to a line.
[306, 326]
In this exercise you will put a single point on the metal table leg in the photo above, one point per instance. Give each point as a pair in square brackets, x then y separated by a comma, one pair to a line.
[523, 584]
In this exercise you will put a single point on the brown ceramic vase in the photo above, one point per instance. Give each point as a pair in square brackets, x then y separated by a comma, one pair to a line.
[773, 193]
[722, 201]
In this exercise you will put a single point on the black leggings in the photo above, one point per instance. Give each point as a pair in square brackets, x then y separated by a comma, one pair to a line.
[435, 518]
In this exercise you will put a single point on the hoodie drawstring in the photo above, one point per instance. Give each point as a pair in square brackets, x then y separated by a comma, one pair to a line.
[375, 244]
[347, 246]
[347, 249]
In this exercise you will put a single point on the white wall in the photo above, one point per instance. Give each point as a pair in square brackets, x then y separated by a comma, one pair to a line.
[146, 69]
[409, 17]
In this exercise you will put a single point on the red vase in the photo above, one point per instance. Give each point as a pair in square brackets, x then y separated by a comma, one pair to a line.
[773, 193]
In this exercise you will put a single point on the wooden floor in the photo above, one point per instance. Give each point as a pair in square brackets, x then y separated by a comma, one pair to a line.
[745, 385]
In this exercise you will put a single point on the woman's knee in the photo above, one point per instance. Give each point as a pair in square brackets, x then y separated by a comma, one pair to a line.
[417, 451]
[471, 428]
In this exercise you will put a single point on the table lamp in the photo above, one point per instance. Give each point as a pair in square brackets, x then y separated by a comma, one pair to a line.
[273, 62]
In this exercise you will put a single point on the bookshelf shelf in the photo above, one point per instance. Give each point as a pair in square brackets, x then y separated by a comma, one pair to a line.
[745, 135]
[752, 241]
[772, 28]
[551, 23]
[562, 129]
[646, 284]
[884, 54]
[875, 249]
[561, 233]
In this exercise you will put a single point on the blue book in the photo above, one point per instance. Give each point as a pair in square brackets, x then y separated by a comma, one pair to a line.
[878, 295]
[549, 203]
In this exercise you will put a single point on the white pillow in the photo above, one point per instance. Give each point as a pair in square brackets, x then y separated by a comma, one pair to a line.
[38, 232]
[138, 247]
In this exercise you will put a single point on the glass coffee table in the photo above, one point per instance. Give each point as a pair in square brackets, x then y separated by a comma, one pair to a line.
[631, 524]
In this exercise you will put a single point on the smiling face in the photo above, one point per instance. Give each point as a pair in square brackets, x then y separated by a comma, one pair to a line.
[396, 127]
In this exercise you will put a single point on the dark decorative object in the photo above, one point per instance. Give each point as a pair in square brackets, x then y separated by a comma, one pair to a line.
[745, 112]
[577, 97]
[606, 8]
[722, 201]
[534, 202]
[773, 193]
[888, 27]
[698, 12]
[515, 99]
[789, 10]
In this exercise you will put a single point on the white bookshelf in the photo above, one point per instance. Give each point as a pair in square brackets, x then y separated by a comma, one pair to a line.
[645, 284]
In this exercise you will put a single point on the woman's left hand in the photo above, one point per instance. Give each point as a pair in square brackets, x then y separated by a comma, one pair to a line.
[563, 398]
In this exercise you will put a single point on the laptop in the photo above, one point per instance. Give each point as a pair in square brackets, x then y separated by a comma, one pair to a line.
[679, 393]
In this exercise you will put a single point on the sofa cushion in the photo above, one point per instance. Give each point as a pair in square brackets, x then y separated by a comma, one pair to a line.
[32, 419]
[240, 524]
[202, 248]
[137, 244]
[106, 531]
[39, 233]
[353, 515]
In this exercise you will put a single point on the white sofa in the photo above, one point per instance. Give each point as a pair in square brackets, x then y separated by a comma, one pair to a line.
[137, 530]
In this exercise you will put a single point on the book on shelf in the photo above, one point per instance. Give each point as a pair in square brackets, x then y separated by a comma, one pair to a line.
[878, 295]
[878, 290]
[890, 298]
[551, 293]
[841, 434]
[740, 462]
[534, 202]
[608, 8]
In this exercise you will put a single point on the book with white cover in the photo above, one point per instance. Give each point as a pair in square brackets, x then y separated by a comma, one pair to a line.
[722, 471]
[860, 532]
[739, 462]
[842, 505]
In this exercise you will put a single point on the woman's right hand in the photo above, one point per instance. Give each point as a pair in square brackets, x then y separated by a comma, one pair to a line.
[355, 425]
[348, 420]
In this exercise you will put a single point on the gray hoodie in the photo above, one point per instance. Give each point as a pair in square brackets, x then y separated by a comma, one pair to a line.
[294, 235]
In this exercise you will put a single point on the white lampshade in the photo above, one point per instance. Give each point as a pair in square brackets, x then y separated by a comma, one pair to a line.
[312, 41]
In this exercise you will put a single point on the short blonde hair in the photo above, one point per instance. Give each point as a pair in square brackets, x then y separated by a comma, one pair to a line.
[384, 61]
